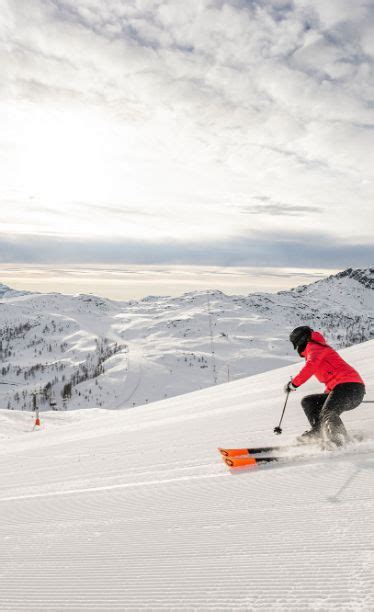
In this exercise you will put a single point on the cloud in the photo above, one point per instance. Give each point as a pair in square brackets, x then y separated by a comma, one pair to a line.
[279, 209]
[166, 118]
[285, 249]
[124, 211]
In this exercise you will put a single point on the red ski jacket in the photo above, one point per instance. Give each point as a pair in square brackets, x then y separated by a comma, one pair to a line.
[326, 365]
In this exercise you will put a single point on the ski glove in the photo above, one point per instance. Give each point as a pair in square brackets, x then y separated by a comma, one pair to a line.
[289, 387]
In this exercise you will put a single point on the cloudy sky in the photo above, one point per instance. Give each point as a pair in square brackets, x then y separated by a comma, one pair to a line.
[228, 133]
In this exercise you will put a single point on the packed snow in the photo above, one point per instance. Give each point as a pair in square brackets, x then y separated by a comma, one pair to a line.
[135, 510]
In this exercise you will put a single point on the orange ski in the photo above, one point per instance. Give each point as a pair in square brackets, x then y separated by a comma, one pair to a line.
[250, 462]
[235, 462]
[233, 452]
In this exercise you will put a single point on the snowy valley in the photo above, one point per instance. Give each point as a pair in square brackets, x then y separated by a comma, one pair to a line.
[84, 351]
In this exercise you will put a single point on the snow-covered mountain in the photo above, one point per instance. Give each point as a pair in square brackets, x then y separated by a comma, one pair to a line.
[8, 292]
[133, 510]
[98, 352]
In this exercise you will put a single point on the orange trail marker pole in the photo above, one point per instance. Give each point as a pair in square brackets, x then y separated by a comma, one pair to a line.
[37, 420]
[36, 410]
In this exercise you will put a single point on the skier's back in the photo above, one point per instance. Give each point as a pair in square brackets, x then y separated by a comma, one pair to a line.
[344, 387]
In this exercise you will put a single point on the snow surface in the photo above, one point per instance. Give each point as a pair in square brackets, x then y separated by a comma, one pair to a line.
[134, 509]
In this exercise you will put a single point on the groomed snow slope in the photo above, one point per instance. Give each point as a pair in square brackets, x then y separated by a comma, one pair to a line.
[134, 510]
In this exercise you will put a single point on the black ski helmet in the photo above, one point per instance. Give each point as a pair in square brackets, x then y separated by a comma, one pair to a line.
[300, 336]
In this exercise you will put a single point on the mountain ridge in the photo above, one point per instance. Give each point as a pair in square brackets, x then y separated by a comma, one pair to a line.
[99, 352]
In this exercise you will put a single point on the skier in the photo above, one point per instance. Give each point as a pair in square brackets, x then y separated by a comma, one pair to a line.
[344, 387]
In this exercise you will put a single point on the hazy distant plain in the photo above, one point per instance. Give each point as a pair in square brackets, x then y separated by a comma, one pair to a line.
[125, 282]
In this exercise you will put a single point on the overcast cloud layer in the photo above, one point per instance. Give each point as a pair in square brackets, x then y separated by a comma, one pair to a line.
[236, 132]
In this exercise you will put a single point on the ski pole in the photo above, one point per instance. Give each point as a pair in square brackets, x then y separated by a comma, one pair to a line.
[278, 429]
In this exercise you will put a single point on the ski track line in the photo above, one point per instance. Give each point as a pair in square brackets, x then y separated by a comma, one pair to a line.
[298, 462]
[111, 487]
[110, 473]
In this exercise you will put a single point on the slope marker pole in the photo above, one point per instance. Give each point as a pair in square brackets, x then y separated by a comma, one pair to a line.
[212, 342]
[36, 410]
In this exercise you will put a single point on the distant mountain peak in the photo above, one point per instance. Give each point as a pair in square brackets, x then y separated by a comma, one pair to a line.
[365, 276]
[6, 292]
[4, 288]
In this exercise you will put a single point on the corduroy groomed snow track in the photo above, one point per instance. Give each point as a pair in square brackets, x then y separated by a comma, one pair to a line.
[134, 510]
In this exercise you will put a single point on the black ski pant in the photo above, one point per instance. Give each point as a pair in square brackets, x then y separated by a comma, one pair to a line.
[323, 410]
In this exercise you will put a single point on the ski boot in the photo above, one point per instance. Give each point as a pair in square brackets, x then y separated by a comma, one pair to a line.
[311, 436]
[334, 434]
